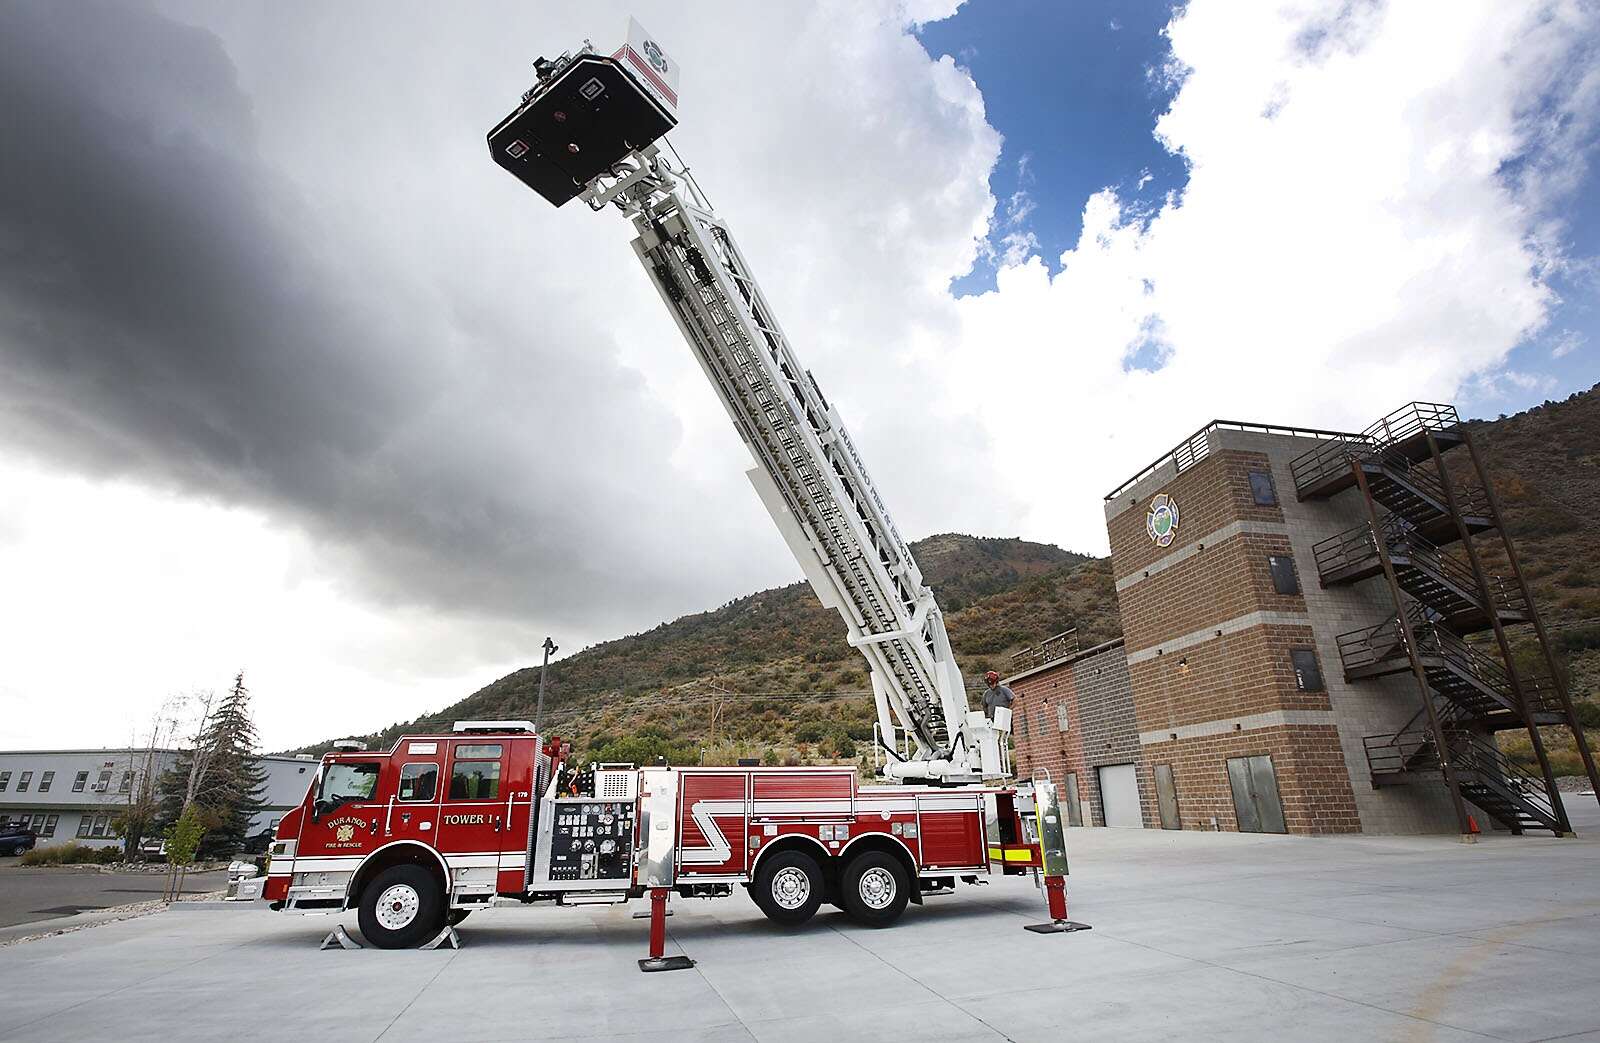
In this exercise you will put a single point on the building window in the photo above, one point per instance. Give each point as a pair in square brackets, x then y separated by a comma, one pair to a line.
[103, 783]
[95, 827]
[1061, 716]
[126, 785]
[1263, 488]
[1022, 725]
[1307, 675]
[45, 780]
[80, 781]
[48, 829]
[23, 781]
[1285, 580]
[5, 781]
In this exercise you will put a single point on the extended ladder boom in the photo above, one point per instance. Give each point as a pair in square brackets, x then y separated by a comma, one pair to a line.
[807, 471]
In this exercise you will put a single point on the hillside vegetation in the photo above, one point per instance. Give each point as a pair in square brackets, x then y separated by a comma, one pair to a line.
[770, 674]
[1545, 463]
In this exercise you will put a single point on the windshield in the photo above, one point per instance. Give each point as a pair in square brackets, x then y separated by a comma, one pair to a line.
[342, 782]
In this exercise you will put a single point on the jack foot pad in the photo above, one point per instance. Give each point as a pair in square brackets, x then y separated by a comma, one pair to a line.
[448, 936]
[666, 963]
[340, 937]
[1057, 927]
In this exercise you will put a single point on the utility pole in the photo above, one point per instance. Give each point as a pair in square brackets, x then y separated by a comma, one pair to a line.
[538, 714]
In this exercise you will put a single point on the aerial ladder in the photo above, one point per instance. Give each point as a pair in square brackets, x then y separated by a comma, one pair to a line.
[592, 128]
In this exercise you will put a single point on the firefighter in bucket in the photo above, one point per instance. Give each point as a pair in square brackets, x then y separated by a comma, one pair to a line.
[997, 703]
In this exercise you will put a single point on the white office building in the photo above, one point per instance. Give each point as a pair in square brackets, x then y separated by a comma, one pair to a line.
[76, 794]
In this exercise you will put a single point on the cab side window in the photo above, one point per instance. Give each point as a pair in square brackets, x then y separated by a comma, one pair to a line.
[419, 781]
[475, 776]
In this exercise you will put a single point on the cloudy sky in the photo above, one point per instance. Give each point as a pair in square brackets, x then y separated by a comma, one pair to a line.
[294, 379]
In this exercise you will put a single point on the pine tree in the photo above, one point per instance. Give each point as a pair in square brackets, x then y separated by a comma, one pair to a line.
[222, 776]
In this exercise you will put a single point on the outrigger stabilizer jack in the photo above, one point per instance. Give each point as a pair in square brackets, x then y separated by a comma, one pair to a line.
[1053, 852]
[658, 960]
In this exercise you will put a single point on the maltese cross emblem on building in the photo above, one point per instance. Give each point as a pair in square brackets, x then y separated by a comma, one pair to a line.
[1162, 521]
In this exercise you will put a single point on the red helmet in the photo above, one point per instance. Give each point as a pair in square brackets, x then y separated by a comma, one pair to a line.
[992, 677]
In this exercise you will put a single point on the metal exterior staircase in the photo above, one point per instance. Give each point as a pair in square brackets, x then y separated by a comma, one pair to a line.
[1432, 576]
[1514, 797]
[1416, 507]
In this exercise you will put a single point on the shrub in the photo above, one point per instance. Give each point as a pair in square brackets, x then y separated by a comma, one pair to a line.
[71, 853]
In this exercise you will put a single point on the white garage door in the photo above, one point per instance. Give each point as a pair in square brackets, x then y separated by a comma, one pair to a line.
[1119, 795]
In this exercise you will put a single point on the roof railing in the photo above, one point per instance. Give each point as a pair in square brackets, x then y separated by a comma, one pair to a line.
[1197, 447]
[1062, 646]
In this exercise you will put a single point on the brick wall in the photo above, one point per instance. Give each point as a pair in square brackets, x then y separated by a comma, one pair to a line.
[1094, 689]
[1312, 781]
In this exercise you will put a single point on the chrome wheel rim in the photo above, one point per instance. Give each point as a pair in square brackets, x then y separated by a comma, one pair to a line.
[791, 887]
[877, 888]
[398, 906]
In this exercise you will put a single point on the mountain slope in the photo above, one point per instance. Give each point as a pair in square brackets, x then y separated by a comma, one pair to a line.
[772, 670]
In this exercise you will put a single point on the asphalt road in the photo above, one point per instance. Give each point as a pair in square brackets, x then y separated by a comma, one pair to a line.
[30, 894]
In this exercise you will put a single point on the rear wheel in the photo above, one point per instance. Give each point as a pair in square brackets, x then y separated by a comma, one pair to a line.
[788, 887]
[875, 888]
[401, 907]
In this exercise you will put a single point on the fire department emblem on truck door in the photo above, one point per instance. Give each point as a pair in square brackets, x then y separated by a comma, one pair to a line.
[344, 831]
[1162, 521]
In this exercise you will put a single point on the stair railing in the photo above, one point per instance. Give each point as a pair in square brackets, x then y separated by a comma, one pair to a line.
[1471, 753]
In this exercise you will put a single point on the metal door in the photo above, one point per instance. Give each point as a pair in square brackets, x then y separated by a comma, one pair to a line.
[1167, 797]
[1255, 795]
[1074, 804]
[1119, 796]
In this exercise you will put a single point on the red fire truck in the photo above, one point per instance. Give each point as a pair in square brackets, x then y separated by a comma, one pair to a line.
[421, 835]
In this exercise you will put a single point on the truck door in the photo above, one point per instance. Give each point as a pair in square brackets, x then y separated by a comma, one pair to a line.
[347, 809]
[472, 828]
[412, 812]
[519, 790]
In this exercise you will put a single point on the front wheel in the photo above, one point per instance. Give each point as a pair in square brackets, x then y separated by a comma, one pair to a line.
[401, 907]
[788, 887]
[875, 888]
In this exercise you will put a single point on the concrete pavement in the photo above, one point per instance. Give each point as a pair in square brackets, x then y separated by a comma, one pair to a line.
[1196, 936]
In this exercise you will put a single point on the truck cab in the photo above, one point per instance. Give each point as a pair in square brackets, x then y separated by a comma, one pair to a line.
[416, 835]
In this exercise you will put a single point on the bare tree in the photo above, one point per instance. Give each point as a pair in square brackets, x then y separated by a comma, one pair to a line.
[199, 764]
[142, 804]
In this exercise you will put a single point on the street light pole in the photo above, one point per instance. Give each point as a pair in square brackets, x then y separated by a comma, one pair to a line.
[538, 714]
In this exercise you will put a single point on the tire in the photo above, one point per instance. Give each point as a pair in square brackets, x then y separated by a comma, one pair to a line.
[788, 888]
[875, 888]
[412, 908]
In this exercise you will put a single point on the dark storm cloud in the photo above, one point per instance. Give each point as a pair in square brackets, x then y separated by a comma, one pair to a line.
[174, 310]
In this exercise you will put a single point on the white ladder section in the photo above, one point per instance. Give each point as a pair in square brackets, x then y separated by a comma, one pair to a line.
[809, 475]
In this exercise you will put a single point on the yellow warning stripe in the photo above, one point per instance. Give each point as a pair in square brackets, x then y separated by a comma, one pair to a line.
[1011, 854]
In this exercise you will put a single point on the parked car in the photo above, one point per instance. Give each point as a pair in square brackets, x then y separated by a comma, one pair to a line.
[258, 844]
[16, 838]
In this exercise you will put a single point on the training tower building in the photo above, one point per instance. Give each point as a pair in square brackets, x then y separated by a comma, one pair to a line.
[1319, 629]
